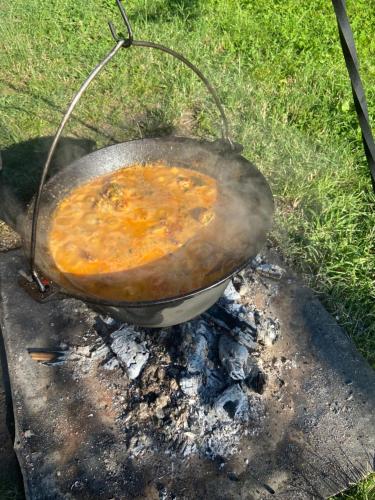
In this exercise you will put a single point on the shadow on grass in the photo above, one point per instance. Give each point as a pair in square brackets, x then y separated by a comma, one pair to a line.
[22, 165]
[54, 107]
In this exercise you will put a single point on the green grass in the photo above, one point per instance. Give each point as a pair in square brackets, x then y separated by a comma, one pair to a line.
[279, 70]
[365, 490]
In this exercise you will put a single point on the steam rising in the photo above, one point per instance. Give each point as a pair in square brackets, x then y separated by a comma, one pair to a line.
[245, 220]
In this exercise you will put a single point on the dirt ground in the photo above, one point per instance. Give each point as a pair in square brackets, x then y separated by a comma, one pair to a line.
[9, 472]
[9, 239]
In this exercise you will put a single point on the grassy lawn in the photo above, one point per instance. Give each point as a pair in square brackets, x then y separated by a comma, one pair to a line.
[279, 70]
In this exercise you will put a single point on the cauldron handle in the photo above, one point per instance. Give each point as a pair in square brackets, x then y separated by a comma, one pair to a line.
[120, 43]
[128, 42]
[36, 208]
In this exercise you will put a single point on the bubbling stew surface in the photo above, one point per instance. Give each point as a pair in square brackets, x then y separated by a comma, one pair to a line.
[144, 232]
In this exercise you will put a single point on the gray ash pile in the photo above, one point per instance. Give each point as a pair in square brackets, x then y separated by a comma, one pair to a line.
[191, 389]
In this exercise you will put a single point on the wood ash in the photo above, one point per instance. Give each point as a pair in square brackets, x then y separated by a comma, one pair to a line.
[191, 389]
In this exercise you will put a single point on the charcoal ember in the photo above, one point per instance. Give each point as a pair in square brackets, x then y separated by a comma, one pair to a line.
[163, 492]
[109, 321]
[268, 331]
[198, 385]
[139, 444]
[111, 364]
[257, 380]
[257, 260]
[187, 445]
[213, 383]
[190, 384]
[235, 309]
[244, 338]
[234, 357]
[131, 351]
[232, 404]
[251, 321]
[105, 325]
[231, 294]
[101, 352]
[230, 318]
[160, 404]
[194, 346]
[272, 271]
[238, 281]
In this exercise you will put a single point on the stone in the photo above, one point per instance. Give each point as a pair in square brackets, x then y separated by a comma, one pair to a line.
[233, 357]
[232, 404]
[130, 350]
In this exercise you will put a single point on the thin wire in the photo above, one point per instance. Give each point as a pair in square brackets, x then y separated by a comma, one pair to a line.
[198, 72]
[141, 43]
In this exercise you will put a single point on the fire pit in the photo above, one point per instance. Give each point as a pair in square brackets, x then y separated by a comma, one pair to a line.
[191, 389]
[243, 388]
[262, 395]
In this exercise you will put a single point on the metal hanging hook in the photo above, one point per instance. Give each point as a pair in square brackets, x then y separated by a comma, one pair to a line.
[128, 41]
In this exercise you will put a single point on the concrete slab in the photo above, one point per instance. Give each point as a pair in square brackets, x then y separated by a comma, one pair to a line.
[316, 438]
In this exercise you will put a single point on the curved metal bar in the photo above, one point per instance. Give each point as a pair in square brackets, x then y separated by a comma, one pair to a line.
[198, 72]
[51, 152]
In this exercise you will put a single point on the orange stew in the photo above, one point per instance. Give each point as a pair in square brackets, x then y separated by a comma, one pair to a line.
[143, 232]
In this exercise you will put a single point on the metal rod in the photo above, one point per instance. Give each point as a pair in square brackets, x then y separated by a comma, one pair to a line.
[141, 43]
[129, 40]
[126, 21]
[198, 72]
[51, 152]
[359, 97]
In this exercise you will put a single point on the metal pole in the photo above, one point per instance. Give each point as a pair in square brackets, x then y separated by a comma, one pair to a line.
[359, 97]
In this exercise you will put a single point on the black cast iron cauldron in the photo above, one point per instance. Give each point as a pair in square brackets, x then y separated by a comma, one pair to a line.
[220, 159]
